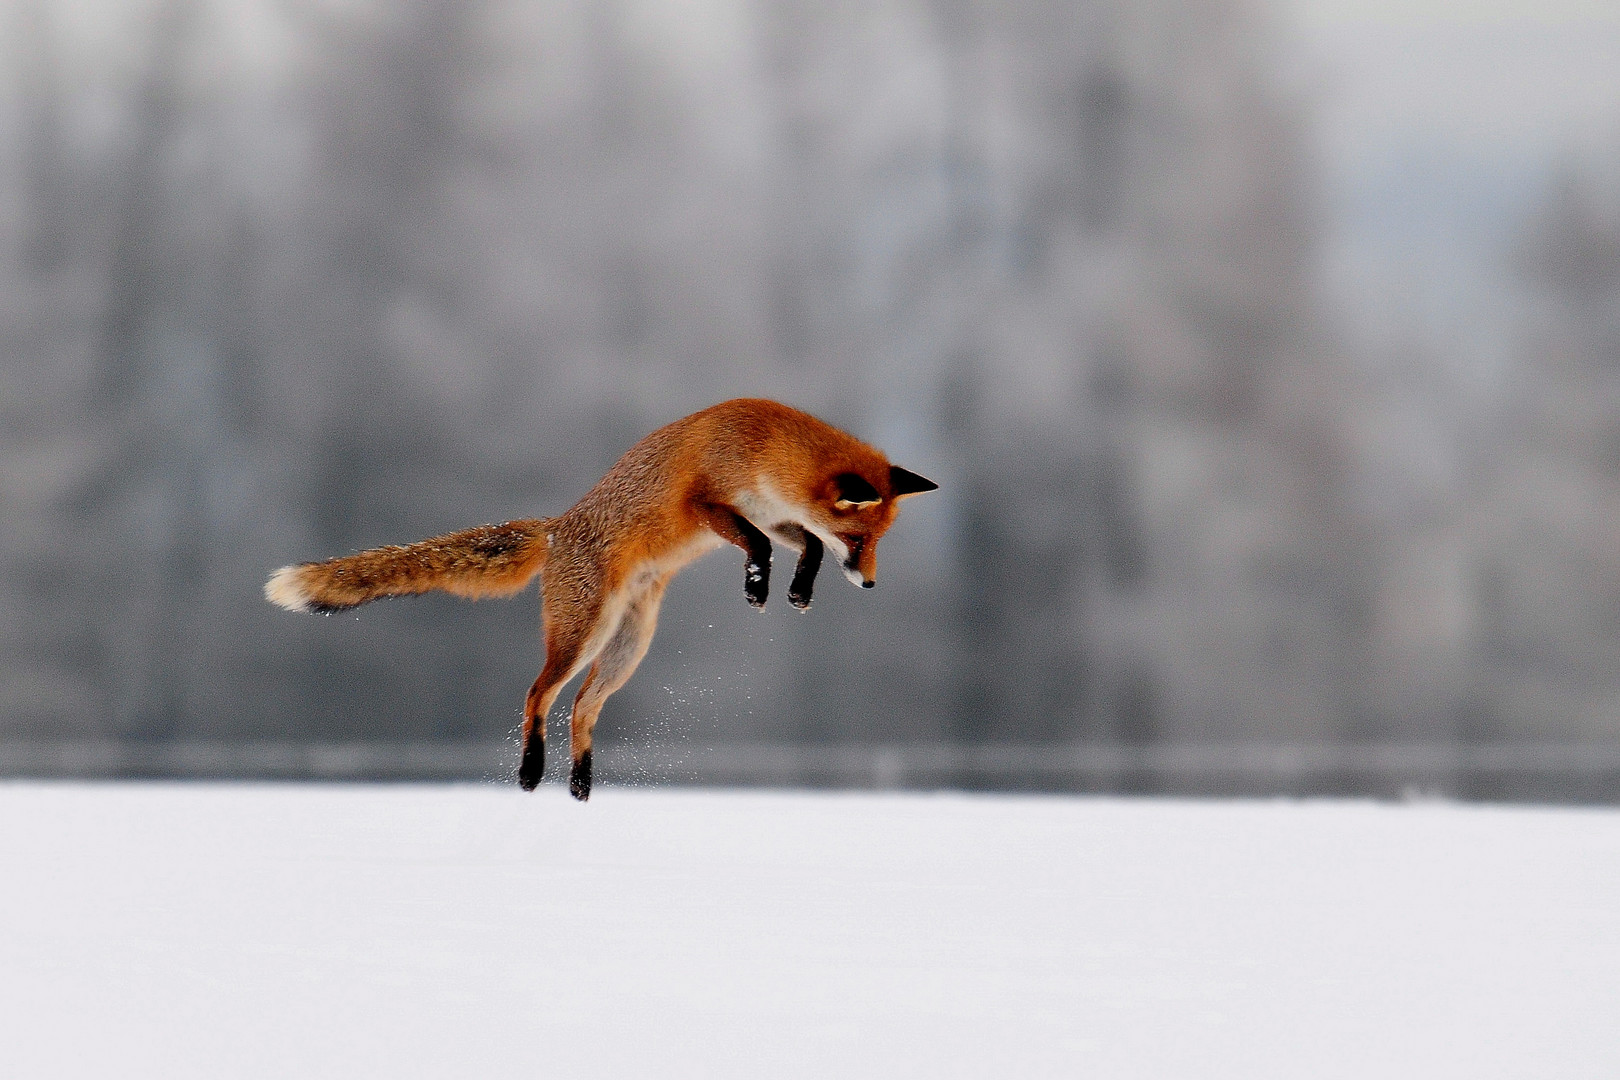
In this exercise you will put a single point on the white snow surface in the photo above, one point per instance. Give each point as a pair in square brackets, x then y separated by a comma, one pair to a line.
[458, 931]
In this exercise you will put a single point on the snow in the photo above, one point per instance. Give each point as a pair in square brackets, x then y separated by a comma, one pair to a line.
[316, 931]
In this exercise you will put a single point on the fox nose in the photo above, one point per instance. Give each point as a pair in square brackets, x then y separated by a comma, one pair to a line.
[869, 583]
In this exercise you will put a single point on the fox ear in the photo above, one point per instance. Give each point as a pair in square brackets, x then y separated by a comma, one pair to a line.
[904, 482]
[854, 492]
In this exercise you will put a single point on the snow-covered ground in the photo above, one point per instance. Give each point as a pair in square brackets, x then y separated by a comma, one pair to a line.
[286, 931]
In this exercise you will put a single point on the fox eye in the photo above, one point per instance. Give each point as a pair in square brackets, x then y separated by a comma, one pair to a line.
[854, 492]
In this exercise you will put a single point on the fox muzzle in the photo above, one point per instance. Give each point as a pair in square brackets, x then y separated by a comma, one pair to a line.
[860, 564]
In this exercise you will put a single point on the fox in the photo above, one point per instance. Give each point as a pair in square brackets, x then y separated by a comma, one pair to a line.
[744, 472]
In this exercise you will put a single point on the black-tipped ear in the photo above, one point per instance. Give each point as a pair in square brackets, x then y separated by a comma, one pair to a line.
[854, 489]
[904, 482]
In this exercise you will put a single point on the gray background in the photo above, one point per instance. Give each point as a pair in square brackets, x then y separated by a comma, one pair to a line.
[1268, 358]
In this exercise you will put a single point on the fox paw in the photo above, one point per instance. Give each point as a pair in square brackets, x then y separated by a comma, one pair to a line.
[533, 765]
[579, 778]
[756, 586]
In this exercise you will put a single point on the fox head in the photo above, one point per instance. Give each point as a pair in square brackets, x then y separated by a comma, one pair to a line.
[855, 509]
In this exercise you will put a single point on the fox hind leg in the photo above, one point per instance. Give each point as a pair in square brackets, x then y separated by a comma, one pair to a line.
[612, 669]
[532, 765]
[567, 633]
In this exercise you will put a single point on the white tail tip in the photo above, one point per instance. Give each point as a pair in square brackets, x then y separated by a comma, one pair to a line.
[283, 590]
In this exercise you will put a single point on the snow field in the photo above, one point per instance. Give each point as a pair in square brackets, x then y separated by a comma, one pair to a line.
[449, 931]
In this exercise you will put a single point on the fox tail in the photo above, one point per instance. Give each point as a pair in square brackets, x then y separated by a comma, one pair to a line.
[491, 560]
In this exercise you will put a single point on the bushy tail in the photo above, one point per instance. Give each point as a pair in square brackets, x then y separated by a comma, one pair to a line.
[491, 560]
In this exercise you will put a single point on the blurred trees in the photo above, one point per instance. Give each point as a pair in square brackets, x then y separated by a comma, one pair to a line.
[1546, 544]
[1158, 511]
[286, 280]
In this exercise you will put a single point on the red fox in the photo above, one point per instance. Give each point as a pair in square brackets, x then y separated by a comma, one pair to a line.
[743, 472]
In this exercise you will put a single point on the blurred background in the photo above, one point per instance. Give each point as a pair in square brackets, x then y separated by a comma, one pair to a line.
[1267, 355]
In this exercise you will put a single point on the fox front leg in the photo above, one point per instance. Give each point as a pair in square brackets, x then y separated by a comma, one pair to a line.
[733, 528]
[810, 548]
[804, 575]
[757, 570]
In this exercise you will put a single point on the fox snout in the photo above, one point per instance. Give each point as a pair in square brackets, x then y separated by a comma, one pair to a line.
[860, 564]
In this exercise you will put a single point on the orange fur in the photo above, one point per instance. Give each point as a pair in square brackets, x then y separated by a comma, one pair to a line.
[742, 472]
[491, 560]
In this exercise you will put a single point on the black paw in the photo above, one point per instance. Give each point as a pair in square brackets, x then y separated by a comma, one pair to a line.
[579, 778]
[804, 575]
[533, 765]
[756, 586]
